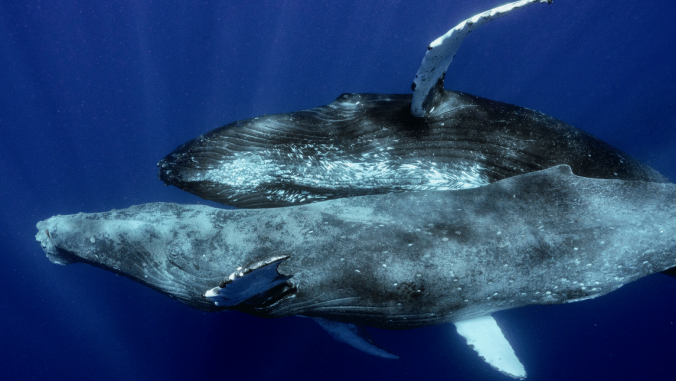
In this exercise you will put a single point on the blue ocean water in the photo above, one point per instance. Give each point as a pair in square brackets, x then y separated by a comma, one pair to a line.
[93, 94]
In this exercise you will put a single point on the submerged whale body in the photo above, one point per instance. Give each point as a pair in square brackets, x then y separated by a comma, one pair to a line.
[363, 144]
[395, 261]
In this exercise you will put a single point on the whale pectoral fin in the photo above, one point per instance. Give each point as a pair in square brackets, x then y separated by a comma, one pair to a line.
[254, 286]
[430, 76]
[354, 335]
[484, 336]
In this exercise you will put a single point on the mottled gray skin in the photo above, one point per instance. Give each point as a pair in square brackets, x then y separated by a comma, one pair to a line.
[363, 144]
[399, 260]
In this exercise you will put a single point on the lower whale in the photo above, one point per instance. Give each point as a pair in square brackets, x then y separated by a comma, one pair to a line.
[363, 144]
[394, 261]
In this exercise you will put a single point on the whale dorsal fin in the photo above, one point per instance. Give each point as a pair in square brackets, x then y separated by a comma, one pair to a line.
[354, 335]
[486, 338]
[430, 76]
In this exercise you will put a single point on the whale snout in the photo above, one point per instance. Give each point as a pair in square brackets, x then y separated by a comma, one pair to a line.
[192, 168]
[147, 243]
[169, 169]
[54, 253]
[165, 172]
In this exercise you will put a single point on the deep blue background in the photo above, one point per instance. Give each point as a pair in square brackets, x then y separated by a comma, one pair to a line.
[93, 94]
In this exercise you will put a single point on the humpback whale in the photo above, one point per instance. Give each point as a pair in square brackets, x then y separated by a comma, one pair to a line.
[395, 261]
[362, 144]
[466, 207]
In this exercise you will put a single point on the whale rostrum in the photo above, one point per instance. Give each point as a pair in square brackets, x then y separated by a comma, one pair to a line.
[395, 261]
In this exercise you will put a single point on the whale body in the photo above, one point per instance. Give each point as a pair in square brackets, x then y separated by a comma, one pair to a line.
[395, 261]
[363, 144]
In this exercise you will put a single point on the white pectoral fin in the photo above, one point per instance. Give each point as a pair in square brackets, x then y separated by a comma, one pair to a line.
[441, 51]
[485, 337]
[354, 335]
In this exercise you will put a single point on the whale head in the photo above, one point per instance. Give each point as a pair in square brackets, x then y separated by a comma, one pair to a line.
[189, 253]
[143, 243]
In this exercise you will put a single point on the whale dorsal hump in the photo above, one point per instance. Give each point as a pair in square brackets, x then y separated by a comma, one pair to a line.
[430, 76]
